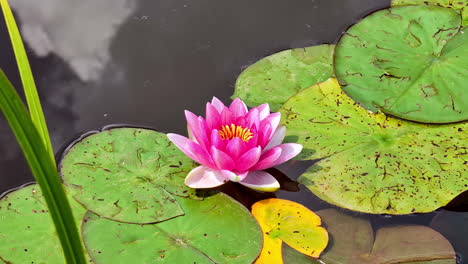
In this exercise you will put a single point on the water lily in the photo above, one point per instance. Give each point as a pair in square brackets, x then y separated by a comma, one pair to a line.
[235, 144]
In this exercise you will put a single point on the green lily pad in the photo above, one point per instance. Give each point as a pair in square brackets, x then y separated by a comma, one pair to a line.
[396, 244]
[408, 61]
[128, 175]
[215, 230]
[461, 5]
[27, 232]
[277, 77]
[373, 163]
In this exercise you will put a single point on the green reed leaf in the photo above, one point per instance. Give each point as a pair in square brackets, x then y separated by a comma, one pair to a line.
[27, 78]
[43, 169]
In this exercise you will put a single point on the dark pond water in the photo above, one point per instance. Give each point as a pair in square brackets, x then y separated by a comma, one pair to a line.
[143, 62]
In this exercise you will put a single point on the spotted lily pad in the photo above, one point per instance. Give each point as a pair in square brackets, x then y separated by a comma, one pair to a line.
[408, 61]
[373, 163]
[27, 232]
[461, 5]
[277, 77]
[353, 242]
[128, 175]
[215, 230]
[289, 222]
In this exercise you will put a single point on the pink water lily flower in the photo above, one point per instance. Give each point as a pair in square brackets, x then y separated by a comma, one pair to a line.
[235, 144]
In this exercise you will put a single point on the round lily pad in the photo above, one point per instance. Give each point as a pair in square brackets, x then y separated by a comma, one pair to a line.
[128, 175]
[215, 230]
[461, 5]
[408, 61]
[26, 229]
[371, 162]
[277, 77]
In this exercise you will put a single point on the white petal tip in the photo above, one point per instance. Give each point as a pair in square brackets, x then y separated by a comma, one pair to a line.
[203, 177]
[264, 188]
[261, 181]
[172, 136]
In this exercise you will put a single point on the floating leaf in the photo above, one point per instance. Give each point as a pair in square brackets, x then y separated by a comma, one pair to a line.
[350, 236]
[128, 175]
[215, 230]
[373, 163]
[26, 229]
[353, 242]
[292, 223]
[277, 77]
[292, 256]
[455, 4]
[453, 226]
[400, 243]
[408, 61]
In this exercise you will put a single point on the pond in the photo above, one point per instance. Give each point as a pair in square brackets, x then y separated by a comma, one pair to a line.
[142, 63]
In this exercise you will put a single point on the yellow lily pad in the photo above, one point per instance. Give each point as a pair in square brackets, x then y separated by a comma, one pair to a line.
[289, 222]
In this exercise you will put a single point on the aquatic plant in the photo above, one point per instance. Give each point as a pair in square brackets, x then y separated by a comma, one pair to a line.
[235, 144]
[32, 135]
[135, 184]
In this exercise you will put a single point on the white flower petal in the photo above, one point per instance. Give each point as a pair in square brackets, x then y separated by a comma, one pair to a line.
[261, 181]
[204, 177]
[277, 138]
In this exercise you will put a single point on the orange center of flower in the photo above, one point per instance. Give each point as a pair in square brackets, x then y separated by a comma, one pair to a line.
[232, 131]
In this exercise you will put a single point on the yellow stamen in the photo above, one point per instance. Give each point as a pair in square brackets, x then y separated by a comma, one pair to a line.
[232, 131]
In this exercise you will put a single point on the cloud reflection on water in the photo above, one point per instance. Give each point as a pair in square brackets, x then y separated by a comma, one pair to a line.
[80, 32]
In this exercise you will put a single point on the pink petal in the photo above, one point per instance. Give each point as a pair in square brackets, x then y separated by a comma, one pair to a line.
[226, 117]
[248, 159]
[261, 181]
[213, 117]
[235, 148]
[192, 150]
[265, 135]
[273, 120]
[216, 140]
[263, 110]
[217, 104]
[241, 121]
[288, 151]
[197, 129]
[204, 177]
[221, 159]
[253, 142]
[267, 159]
[238, 108]
[204, 131]
[277, 137]
[234, 176]
[253, 119]
[190, 135]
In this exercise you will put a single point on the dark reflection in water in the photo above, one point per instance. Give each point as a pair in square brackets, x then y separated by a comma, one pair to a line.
[144, 62]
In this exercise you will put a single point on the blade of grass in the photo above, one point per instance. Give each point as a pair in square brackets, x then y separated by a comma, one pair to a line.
[43, 169]
[27, 79]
